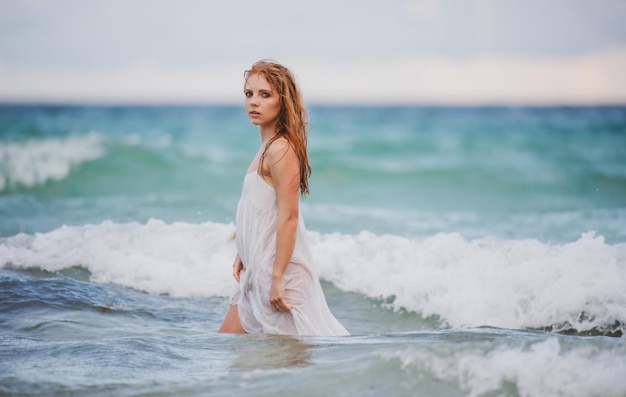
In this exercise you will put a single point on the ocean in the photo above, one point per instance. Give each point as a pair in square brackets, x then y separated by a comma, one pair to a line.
[470, 251]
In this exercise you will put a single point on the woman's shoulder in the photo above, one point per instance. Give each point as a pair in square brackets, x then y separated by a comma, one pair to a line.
[279, 147]
[281, 151]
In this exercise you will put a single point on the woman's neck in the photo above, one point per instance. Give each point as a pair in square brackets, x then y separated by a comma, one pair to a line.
[267, 132]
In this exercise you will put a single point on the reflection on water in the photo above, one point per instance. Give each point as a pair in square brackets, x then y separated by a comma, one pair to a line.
[271, 351]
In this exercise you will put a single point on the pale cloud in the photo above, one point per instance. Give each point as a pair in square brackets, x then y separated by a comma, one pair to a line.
[116, 33]
[595, 78]
[424, 9]
[346, 51]
[591, 79]
[143, 82]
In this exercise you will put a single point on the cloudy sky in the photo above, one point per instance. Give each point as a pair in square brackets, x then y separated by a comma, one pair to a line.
[343, 51]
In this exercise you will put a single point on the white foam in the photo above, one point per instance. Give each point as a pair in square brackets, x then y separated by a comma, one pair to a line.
[178, 259]
[544, 368]
[500, 283]
[35, 162]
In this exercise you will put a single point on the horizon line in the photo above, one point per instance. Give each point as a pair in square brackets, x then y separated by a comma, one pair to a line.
[312, 103]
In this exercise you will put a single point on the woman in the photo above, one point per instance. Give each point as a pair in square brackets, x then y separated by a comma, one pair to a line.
[278, 290]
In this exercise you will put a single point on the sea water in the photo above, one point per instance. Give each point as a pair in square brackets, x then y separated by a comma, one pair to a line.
[469, 251]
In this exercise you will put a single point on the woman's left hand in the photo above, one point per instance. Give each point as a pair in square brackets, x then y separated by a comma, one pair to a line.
[277, 296]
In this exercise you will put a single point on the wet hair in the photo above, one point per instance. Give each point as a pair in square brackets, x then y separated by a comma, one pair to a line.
[292, 118]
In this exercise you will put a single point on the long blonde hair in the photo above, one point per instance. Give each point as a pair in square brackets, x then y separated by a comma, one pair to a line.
[292, 119]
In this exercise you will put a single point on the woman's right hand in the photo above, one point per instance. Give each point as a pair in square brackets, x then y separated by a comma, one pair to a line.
[238, 267]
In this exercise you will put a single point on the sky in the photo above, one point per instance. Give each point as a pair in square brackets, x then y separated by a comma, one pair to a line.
[460, 52]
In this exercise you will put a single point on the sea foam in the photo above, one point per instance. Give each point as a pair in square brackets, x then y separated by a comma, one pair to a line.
[178, 259]
[502, 283]
[34, 162]
[465, 283]
[544, 368]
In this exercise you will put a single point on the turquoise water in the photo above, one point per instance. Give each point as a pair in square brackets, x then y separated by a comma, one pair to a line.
[457, 245]
[550, 174]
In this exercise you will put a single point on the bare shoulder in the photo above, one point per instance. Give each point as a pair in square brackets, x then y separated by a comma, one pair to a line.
[283, 167]
[280, 150]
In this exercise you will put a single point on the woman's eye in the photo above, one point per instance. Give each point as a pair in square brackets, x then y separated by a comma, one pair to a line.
[248, 94]
[266, 95]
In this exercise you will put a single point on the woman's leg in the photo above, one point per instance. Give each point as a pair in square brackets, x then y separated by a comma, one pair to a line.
[231, 324]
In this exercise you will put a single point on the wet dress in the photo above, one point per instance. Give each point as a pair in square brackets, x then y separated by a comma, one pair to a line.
[257, 220]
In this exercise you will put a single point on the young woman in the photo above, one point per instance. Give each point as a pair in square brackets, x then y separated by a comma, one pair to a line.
[278, 290]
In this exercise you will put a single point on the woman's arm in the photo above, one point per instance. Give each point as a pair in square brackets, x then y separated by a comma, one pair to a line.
[283, 167]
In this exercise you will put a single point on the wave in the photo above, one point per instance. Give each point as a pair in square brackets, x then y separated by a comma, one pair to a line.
[517, 284]
[502, 283]
[545, 368]
[179, 259]
[35, 162]
[98, 164]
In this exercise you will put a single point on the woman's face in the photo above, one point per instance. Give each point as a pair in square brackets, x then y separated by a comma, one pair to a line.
[262, 102]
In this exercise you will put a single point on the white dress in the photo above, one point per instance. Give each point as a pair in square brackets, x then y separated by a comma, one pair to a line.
[257, 219]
